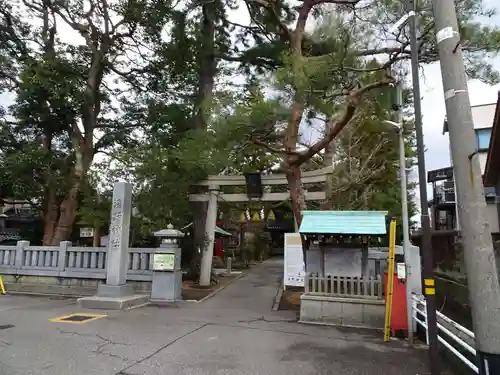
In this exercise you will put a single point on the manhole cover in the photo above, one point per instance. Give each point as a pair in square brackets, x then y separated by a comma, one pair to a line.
[76, 318]
[6, 326]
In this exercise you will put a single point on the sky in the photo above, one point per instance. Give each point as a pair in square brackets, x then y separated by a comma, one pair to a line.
[433, 107]
[434, 111]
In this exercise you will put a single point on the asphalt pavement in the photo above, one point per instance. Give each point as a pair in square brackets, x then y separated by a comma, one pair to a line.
[234, 333]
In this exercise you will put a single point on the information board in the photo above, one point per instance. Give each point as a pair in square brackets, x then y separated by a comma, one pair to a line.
[163, 262]
[294, 269]
[86, 232]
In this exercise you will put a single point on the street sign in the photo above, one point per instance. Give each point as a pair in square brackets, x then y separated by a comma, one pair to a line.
[440, 174]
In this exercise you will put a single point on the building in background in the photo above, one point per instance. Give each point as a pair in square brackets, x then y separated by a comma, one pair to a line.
[491, 174]
[443, 205]
[17, 218]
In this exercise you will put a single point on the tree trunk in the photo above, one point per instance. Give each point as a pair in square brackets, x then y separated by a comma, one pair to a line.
[297, 197]
[200, 216]
[51, 204]
[206, 73]
[67, 215]
[96, 239]
[50, 216]
[69, 205]
[328, 157]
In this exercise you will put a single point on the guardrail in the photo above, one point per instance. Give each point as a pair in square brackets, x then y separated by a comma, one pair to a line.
[419, 307]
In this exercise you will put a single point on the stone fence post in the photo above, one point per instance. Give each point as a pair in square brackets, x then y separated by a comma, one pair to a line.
[63, 254]
[20, 246]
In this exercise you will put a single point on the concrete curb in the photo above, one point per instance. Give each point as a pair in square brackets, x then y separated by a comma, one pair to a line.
[339, 325]
[219, 289]
[77, 296]
[35, 294]
[279, 295]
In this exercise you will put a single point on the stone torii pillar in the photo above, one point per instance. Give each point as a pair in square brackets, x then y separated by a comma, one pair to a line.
[208, 246]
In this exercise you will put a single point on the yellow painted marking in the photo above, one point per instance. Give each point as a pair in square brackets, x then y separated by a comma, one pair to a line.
[429, 282]
[2, 287]
[430, 291]
[390, 281]
[61, 319]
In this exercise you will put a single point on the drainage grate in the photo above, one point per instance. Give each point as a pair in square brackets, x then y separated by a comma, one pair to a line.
[6, 326]
[76, 318]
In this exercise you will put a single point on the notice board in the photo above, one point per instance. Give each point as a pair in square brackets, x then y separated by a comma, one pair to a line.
[294, 269]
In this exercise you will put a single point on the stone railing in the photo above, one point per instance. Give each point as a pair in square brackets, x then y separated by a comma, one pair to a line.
[338, 286]
[68, 261]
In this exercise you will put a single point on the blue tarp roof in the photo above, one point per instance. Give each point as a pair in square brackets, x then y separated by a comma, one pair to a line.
[344, 222]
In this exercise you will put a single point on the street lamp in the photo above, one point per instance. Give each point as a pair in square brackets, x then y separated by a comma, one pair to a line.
[404, 216]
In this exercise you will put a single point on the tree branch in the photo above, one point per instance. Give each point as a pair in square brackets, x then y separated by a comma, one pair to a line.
[336, 126]
[269, 148]
[269, 5]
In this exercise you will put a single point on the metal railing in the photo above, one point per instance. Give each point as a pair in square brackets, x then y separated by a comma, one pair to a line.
[343, 286]
[462, 337]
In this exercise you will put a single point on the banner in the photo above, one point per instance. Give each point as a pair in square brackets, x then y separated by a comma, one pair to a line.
[294, 269]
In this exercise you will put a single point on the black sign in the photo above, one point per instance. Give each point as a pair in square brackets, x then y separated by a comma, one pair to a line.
[254, 185]
[440, 174]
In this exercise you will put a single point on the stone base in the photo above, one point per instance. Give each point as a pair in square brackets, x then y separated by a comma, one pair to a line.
[164, 303]
[113, 303]
[115, 291]
[339, 311]
[166, 286]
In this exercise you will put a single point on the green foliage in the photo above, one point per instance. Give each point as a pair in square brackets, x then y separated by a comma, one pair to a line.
[144, 74]
[366, 172]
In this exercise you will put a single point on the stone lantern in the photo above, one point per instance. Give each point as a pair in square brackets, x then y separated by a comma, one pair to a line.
[166, 266]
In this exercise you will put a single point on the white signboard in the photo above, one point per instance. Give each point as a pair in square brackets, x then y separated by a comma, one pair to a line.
[163, 262]
[401, 269]
[294, 271]
[86, 232]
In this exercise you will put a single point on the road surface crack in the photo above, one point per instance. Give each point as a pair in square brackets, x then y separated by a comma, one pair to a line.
[103, 343]
[125, 370]
[263, 319]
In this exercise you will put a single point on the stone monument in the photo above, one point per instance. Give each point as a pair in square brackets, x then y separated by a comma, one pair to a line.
[166, 265]
[116, 294]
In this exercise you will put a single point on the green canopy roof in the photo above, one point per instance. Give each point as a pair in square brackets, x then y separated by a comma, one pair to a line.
[344, 222]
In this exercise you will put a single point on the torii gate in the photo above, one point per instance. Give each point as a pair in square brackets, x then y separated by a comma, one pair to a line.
[214, 184]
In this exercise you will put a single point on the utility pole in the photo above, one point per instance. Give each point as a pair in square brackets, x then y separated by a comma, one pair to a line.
[482, 276]
[428, 266]
[404, 208]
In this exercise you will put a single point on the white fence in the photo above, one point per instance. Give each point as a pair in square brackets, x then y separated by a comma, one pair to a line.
[68, 261]
[460, 336]
[343, 286]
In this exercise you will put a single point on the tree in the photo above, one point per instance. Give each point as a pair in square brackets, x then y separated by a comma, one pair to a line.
[366, 174]
[327, 73]
[64, 97]
[164, 68]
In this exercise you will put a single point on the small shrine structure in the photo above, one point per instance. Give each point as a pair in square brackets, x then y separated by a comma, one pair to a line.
[342, 285]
